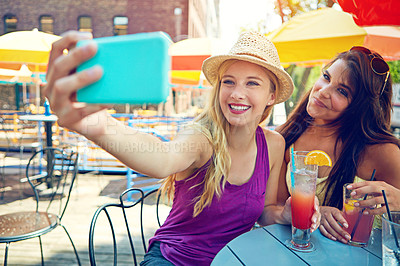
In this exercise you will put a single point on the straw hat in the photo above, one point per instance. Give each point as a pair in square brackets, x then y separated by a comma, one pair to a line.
[254, 48]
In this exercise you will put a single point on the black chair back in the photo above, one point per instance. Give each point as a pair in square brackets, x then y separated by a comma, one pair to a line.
[51, 172]
[123, 206]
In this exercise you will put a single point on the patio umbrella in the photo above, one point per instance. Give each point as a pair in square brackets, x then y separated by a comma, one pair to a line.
[372, 12]
[21, 75]
[26, 47]
[187, 57]
[316, 37]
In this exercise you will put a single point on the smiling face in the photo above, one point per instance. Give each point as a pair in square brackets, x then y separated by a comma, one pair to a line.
[246, 90]
[331, 94]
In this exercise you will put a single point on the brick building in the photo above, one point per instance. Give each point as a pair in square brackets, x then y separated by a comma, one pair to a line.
[181, 19]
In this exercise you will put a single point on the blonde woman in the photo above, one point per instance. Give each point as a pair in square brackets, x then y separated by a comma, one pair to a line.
[216, 169]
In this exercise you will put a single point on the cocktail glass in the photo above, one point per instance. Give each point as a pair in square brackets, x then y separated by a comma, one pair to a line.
[360, 224]
[304, 173]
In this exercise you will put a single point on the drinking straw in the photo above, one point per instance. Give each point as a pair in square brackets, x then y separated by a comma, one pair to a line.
[361, 212]
[390, 218]
[293, 168]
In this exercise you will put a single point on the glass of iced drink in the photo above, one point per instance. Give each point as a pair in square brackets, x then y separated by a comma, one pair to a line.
[391, 239]
[360, 224]
[304, 173]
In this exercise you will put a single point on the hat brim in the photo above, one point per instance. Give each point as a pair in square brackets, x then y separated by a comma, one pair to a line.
[285, 87]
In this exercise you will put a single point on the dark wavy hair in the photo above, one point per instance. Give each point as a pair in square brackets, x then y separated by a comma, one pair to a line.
[365, 121]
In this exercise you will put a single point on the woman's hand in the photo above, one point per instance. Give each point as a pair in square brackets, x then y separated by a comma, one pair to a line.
[332, 221]
[316, 218]
[287, 211]
[63, 83]
[374, 189]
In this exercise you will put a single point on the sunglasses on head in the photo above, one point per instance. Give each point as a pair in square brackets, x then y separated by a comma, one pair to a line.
[378, 65]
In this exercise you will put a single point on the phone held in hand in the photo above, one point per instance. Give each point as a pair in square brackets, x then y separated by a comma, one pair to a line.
[136, 69]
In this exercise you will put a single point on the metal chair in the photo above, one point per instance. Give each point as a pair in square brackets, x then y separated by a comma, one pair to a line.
[57, 169]
[3, 187]
[109, 210]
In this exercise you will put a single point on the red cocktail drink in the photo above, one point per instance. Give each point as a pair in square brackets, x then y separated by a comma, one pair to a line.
[302, 209]
[303, 181]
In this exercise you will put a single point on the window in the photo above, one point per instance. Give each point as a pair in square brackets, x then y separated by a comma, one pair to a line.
[120, 25]
[10, 23]
[46, 24]
[85, 24]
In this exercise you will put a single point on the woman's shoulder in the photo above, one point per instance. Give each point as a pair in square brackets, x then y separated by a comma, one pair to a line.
[274, 139]
[382, 153]
[382, 149]
[273, 134]
[384, 157]
[194, 141]
[194, 131]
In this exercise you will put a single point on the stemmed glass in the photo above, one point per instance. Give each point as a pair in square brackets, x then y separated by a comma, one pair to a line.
[303, 172]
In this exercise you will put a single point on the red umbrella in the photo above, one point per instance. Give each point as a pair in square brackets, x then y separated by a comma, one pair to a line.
[372, 12]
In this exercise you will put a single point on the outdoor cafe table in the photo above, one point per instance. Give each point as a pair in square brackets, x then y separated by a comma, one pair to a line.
[48, 121]
[266, 246]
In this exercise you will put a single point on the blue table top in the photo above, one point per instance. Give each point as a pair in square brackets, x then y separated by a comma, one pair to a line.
[267, 246]
[44, 118]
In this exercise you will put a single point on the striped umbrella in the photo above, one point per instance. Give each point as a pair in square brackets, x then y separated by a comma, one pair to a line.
[187, 57]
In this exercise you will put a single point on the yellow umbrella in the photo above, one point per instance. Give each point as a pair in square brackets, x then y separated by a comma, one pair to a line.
[317, 36]
[26, 47]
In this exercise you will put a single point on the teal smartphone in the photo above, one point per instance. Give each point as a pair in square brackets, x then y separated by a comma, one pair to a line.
[136, 69]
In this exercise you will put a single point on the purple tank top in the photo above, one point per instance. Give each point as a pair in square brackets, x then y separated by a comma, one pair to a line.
[195, 241]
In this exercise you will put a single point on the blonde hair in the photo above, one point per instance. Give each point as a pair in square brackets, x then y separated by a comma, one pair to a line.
[215, 127]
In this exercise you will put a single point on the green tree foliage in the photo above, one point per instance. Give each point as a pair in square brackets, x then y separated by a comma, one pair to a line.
[290, 8]
[303, 79]
[395, 71]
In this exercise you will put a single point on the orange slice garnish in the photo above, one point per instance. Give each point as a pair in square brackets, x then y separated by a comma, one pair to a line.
[320, 158]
